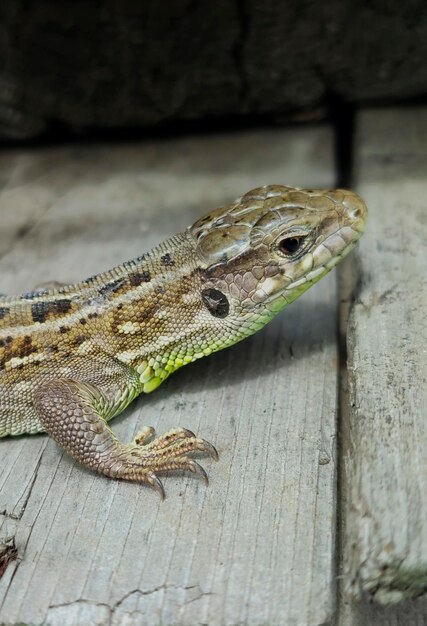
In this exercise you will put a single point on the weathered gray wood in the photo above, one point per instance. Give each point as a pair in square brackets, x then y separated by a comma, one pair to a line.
[257, 546]
[385, 551]
[84, 65]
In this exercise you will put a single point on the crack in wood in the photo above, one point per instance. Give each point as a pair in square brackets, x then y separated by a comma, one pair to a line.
[134, 592]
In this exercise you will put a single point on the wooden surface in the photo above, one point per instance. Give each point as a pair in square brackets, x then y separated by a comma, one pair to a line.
[258, 545]
[385, 551]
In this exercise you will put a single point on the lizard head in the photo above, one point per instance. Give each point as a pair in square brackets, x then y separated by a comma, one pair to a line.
[264, 250]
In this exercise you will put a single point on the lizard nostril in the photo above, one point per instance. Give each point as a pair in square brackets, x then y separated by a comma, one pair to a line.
[354, 207]
[357, 212]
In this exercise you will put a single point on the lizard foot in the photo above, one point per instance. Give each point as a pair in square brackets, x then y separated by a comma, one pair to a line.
[167, 452]
[71, 412]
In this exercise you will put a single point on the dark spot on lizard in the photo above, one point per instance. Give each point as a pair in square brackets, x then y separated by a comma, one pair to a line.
[120, 306]
[41, 310]
[82, 321]
[167, 260]
[26, 349]
[139, 277]
[93, 315]
[216, 302]
[64, 329]
[3, 311]
[112, 287]
[62, 306]
[79, 340]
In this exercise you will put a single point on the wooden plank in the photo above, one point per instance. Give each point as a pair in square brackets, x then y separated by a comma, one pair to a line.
[257, 546]
[385, 546]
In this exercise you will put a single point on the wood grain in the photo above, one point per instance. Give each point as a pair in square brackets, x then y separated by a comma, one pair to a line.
[386, 461]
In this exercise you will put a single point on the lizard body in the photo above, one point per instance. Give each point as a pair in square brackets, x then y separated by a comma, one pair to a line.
[73, 357]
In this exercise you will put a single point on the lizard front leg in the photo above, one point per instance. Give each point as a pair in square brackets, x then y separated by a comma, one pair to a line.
[74, 414]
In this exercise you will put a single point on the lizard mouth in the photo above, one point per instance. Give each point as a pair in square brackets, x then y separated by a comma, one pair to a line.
[324, 257]
[328, 251]
[314, 275]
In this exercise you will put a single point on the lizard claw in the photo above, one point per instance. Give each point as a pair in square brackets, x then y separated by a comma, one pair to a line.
[187, 433]
[156, 484]
[195, 468]
[210, 449]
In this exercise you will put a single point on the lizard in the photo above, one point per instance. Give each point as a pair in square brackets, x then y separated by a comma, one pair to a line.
[74, 356]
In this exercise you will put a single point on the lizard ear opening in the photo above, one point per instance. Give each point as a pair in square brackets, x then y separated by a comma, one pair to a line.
[216, 302]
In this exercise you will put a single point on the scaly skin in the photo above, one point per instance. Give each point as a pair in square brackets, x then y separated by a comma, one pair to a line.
[73, 357]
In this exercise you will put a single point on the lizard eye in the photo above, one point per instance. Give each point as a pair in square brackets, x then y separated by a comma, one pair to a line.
[291, 245]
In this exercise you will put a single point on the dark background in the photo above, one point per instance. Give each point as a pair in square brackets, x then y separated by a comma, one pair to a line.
[123, 67]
